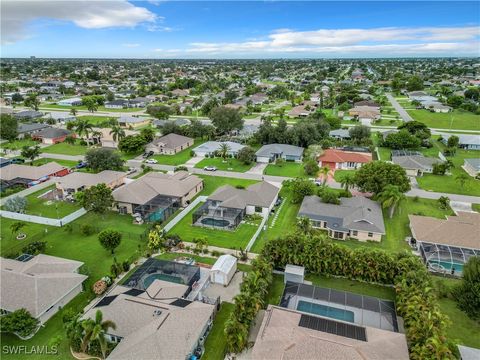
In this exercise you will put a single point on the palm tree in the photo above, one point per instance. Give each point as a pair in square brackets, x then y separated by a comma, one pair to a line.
[73, 111]
[31, 152]
[347, 180]
[390, 197]
[461, 179]
[96, 330]
[223, 150]
[74, 328]
[117, 133]
[304, 225]
[324, 170]
[83, 127]
[16, 227]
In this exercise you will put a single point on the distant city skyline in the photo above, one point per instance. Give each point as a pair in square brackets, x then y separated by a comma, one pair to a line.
[268, 29]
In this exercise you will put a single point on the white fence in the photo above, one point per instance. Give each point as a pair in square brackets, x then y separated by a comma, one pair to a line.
[441, 156]
[184, 213]
[259, 230]
[43, 220]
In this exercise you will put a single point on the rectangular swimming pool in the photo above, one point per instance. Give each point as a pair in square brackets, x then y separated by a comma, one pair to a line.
[327, 311]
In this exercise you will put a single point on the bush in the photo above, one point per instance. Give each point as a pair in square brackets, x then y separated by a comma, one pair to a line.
[35, 248]
[467, 294]
[180, 168]
[126, 265]
[16, 204]
[19, 322]
[239, 187]
[87, 229]
[99, 287]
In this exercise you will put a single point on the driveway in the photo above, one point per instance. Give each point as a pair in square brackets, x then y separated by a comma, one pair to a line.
[461, 206]
[194, 161]
[401, 111]
[258, 169]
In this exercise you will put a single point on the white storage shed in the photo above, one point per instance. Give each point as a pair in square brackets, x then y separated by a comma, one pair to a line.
[294, 273]
[223, 270]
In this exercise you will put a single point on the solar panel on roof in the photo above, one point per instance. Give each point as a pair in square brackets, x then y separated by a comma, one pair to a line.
[333, 327]
[181, 303]
[24, 257]
[106, 301]
[134, 292]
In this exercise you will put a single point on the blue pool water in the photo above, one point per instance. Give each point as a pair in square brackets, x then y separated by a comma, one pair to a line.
[151, 278]
[215, 222]
[327, 311]
[447, 265]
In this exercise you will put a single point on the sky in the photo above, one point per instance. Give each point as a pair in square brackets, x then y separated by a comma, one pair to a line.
[233, 29]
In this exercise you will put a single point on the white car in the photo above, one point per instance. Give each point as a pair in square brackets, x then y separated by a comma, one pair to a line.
[210, 168]
[151, 161]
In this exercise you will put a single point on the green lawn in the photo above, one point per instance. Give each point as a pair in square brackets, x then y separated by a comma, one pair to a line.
[66, 163]
[340, 174]
[94, 120]
[476, 207]
[463, 329]
[18, 144]
[287, 169]
[462, 120]
[66, 149]
[205, 259]
[225, 165]
[212, 183]
[48, 208]
[82, 107]
[275, 291]
[179, 158]
[215, 345]
[222, 238]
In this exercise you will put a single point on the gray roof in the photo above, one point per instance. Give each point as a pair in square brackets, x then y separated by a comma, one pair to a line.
[341, 133]
[416, 162]
[179, 122]
[260, 194]
[27, 127]
[131, 119]
[51, 133]
[38, 283]
[355, 213]
[211, 146]
[28, 114]
[172, 141]
[78, 179]
[13, 171]
[475, 163]
[284, 149]
[464, 139]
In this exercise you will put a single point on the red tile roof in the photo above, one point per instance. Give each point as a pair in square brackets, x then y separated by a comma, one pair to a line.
[340, 156]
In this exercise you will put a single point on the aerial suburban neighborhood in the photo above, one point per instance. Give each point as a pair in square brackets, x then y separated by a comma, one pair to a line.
[239, 180]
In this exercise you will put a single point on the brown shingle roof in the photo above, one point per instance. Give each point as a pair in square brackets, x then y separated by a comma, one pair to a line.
[29, 172]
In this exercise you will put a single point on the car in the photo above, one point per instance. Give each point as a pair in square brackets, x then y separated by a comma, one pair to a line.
[148, 154]
[81, 165]
[210, 168]
[17, 161]
[131, 170]
[151, 161]
[279, 201]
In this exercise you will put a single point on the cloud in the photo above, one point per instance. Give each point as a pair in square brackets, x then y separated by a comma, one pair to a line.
[159, 28]
[17, 15]
[129, 45]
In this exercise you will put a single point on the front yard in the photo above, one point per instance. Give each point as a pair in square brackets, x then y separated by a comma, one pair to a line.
[286, 169]
[17, 144]
[224, 165]
[179, 158]
[457, 119]
[66, 149]
[340, 174]
[212, 183]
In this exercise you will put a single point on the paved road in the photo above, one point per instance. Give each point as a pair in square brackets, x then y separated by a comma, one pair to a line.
[401, 111]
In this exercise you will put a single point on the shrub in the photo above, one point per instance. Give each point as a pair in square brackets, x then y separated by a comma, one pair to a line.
[19, 322]
[87, 229]
[99, 287]
[239, 186]
[180, 168]
[110, 239]
[35, 248]
[16, 204]
[126, 265]
[467, 294]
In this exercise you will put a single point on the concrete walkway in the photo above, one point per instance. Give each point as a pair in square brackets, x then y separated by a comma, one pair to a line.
[401, 111]
[258, 169]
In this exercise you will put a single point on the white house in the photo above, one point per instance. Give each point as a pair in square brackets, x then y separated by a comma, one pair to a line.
[223, 270]
[70, 102]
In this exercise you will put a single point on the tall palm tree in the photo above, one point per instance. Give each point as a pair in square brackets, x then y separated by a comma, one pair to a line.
[117, 133]
[96, 330]
[31, 152]
[347, 180]
[223, 150]
[83, 127]
[390, 197]
[96, 136]
[324, 170]
[304, 225]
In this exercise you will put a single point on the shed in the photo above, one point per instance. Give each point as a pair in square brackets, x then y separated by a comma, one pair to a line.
[223, 270]
[294, 273]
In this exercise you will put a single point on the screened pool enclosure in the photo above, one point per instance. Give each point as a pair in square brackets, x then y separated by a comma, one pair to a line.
[160, 208]
[445, 259]
[210, 214]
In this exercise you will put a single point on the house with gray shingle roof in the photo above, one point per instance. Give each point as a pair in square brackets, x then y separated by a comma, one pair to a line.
[356, 217]
[271, 152]
[170, 144]
[211, 147]
[415, 164]
[472, 166]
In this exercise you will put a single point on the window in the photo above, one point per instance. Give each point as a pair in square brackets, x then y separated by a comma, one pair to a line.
[258, 209]
[354, 232]
[324, 224]
[370, 234]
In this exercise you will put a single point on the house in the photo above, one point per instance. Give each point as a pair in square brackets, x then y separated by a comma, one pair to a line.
[169, 144]
[30, 129]
[106, 139]
[138, 102]
[466, 141]
[340, 134]
[156, 322]
[52, 135]
[223, 270]
[447, 244]
[209, 148]
[291, 334]
[356, 217]
[472, 166]
[414, 163]
[180, 92]
[299, 111]
[116, 104]
[28, 115]
[162, 123]
[368, 103]
[133, 121]
[436, 107]
[365, 113]
[27, 175]
[80, 181]
[227, 206]
[271, 152]
[156, 196]
[70, 102]
[337, 159]
[41, 284]
[60, 116]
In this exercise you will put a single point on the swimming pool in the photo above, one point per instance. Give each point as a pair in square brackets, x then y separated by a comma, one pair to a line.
[446, 265]
[215, 222]
[151, 278]
[327, 311]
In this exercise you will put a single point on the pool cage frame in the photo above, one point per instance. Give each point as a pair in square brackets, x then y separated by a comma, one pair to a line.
[211, 209]
[445, 253]
[167, 204]
[188, 273]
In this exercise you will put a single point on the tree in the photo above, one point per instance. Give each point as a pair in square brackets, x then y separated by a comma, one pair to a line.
[155, 238]
[32, 101]
[300, 188]
[110, 239]
[324, 171]
[402, 140]
[414, 83]
[444, 202]
[31, 152]
[132, 144]
[99, 159]
[246, 155]
[390, 197]
[97, 198]
[359, 133]
[9, 127]
[117, 133]
[91, 102]
[304, 225]
[73, 111]
[329, 196]
[226, 120]
[161, 112]
[375, 176]
[347, 181]
[19, 322]
[96, 330]
[462, 178]
[311, 167]
[83, 127]
[417, 129]
[148, 134]
[16, 227]
[223, 150]
[16, 204]
[467, 294]
[453, 141]
[70, 140]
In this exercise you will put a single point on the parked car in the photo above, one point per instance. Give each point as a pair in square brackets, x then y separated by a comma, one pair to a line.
[131, 170]
[279, 201]
[81, 165]
[148, 154]
[17, 161]
[210, 168]
[151, 161]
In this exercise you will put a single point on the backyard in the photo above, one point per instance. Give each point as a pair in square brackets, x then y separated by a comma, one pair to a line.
[215, 345]
[456, 119]
[179, 158]
[286, 169]
[225, 165]
[212, 183]
[17, 144]
[56, 209]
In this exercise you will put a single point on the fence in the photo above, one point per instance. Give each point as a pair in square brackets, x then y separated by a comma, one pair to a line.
[441, 156]
[43, 220]
[255, 236]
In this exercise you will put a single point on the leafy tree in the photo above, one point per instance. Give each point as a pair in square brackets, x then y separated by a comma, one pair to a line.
[110, 239]
[417, 129]
[414, 83]
[311, 167]
[455, 101]
[300, 188]
[444, 202]
[16, 227]
[246, 155]
[155, 238]
[117, 133]
[16, 204]
[32, 101]
[304, 225]
[8, 127]
[148, 134]
[17, 98]
[19, 322]
[390, 197]
[132, 144]
[96, 330]
[329, 196]
[70, 140]
[375, 176]
[467, 294]
[30, 152]
[402, 140]
[99, 159]
[453, 141]
[462, 178]
[226, 120]
[97, 198]
[161, 112]
[359, 133]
